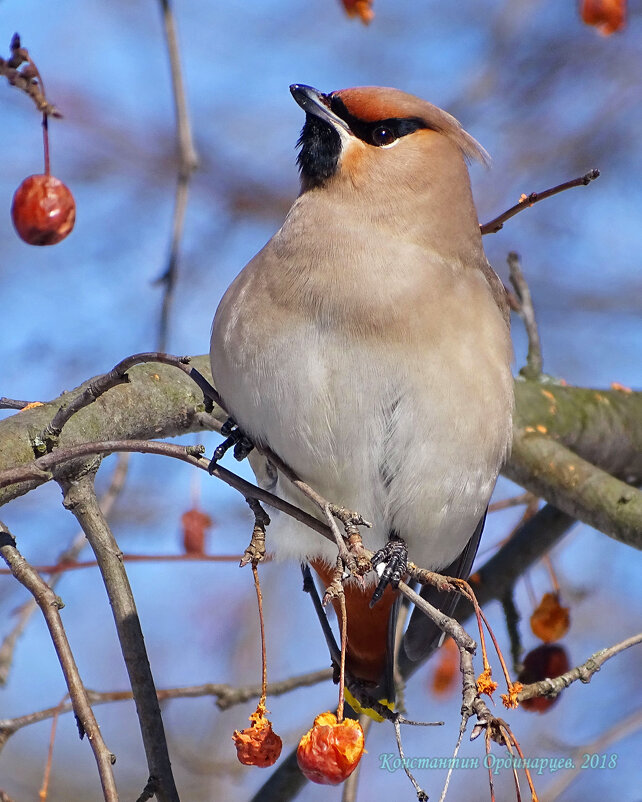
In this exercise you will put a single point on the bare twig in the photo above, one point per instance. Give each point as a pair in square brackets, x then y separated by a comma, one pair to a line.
[514, 501]
[12, 403]
[533, 367]
[583, 672]
[44, 790]
[344, 645]
[50, 605]
[80, 499]
[188, 162]
[422, 796]
[69, 555]
[48, 439]
[26, 78]
[227, 696]
[63, 566]
[39, 470]
[526, 201]
[259, 601]
[444, 622]
[356, 558]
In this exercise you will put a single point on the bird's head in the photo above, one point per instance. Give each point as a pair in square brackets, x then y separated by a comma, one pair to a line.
[374, 135]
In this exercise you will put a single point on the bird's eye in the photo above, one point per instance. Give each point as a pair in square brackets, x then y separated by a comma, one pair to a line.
[383, 136]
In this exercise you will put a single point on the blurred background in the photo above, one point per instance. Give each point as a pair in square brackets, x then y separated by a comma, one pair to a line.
[549, 98]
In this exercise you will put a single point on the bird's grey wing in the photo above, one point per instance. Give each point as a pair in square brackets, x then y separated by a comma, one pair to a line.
[423, 637]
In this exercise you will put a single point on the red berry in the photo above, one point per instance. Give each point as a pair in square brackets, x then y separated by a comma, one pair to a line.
[548, 660]
[43, 210]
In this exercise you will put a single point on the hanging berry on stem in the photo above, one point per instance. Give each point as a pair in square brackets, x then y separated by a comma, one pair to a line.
[43, 210]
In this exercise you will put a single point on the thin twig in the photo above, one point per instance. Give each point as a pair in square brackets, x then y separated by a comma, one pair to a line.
[356, 558]
[48, 438]
[44, 790]
[65, 565]
[50, 606]
[513, 501]
[422, 796]
[526, 201]
[80, 499]
[39, 470]
[583, 672]
[12, 403]
[187, 163]
[533, 368]
[226, 696]
[444, 622]
[66, 559]
[26, 79]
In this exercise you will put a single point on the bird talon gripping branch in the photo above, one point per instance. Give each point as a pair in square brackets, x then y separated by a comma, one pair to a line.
[390, 564]
[234, 439]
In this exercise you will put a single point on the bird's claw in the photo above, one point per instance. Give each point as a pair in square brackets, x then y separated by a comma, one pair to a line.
[391, 564]
[236, 439]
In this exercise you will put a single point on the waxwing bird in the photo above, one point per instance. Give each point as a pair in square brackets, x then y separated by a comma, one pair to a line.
[367, 345]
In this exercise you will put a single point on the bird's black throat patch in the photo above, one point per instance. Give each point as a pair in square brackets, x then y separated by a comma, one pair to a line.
[320, 148]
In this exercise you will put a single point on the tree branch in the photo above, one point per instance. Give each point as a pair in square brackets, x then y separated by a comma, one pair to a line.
[550, 470]
[69, 554]
[526, 201]
[226, 696]
[603, 427]
[187, 163]
[80, 499]
[583, 672]
[26, 78]
[50, 605]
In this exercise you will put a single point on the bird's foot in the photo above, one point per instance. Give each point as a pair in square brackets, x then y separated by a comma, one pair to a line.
[236, 439]
[391, 564]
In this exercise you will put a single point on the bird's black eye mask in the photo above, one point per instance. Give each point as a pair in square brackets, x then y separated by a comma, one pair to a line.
[378, 132]
[321, 144]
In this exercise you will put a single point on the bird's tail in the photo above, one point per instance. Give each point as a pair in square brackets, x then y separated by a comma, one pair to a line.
[370, 634]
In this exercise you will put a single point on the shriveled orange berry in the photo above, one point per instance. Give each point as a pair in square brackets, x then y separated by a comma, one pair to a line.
[331, 750]
[550, 621]
[258, 745]
[547, 661]
[43, 210]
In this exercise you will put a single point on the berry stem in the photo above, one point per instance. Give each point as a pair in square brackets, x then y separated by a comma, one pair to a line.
[45, 141]
[259, 598]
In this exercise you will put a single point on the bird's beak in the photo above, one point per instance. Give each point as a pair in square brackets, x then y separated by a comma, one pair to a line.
[316, 103]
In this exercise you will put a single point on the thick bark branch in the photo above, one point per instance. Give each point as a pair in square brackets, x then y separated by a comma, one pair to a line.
[603, 427]
[80, 498]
